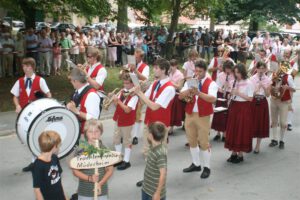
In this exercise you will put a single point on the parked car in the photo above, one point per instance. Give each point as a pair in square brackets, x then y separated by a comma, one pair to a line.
[40, 25]
[61, 27]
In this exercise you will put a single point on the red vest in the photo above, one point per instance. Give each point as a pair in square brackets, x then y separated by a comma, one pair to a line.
[273, 58]
[214, 74]
[162, 114]
[286, 95]
[142, 67]
[122, 118]
[83, 108]
[94, 74]
[24, 99]
[204, 108]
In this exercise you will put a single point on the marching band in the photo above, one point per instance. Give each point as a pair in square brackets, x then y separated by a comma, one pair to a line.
[219, 96]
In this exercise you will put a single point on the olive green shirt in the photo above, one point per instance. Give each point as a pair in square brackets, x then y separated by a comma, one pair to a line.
[156, 159]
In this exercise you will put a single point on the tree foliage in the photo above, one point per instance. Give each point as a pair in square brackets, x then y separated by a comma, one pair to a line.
[257, 11]
[56, 8]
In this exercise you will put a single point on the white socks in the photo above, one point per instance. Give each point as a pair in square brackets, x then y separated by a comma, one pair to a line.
[282, 131]
[118, 147]
[274, 133]
[195, 155]
[127, 154]
[136, 129]
[290, 117]
[206, 157]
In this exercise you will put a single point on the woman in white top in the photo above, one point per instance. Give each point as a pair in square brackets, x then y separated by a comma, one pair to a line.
[223, 81]
[239, 127]
[260, 106]
[189, 66]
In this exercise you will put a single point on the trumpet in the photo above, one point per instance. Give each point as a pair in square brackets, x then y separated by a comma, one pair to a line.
[109, 99]
[83, 66]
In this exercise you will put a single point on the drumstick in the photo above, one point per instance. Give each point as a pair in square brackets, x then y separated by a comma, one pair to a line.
[96, 173]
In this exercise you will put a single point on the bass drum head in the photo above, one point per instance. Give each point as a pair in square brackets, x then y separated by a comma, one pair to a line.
[58, 119]
[29, 113]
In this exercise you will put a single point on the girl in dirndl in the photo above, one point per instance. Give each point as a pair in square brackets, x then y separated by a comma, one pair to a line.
[223, 81]
[259, 105]
[178, 108]
[238, 130]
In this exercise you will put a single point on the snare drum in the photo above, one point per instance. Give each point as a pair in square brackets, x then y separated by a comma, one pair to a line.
[43, 115]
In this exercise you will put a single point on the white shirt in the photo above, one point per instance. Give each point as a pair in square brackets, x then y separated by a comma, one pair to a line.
[212, 90]
[291, 82]
[91, 104]
[294, 68]
[132, 102]
[189, 67]
[101, 75]
[146, 70]
[16, 88]
[245, 87]
[165, 97]
[265, 81]
[30, 38]
[7, 42]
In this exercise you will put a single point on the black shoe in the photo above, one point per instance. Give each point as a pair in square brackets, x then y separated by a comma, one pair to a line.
[192, 168]
[217, 138]
[135, 141]
[232, 158]
[124, 165]
[28, 168]
[205, 173]
[139, 184]
[171, 133]
[223, 139]
[238, 159]
[74, 196]
[118, 164]
[289, 127]
[273, 143]
[256, 151]
[281, 145]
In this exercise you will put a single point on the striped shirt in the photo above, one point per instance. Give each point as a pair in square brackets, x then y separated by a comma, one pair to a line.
[85, 188]
[156, 159]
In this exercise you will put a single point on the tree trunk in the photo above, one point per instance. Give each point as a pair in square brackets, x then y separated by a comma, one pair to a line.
[212, 23]
[29, 13]
[122, 18]
[173, 27]
[253, 25]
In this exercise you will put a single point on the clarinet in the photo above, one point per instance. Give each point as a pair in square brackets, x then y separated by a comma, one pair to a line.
[234, 83]
[224, 92]
[258, 97]
[233, 86]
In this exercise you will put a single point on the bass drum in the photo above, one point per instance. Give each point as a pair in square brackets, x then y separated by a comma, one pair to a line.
[43, 115]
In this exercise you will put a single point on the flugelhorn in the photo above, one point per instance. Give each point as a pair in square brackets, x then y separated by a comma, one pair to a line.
[276, 90]
[109, 99]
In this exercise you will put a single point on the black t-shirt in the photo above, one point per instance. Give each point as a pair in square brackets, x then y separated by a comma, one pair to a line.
[47, 177]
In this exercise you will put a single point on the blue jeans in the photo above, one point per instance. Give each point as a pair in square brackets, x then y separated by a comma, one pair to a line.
[146, 196]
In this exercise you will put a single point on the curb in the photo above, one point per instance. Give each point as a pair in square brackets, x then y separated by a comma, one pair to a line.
[9, 132]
